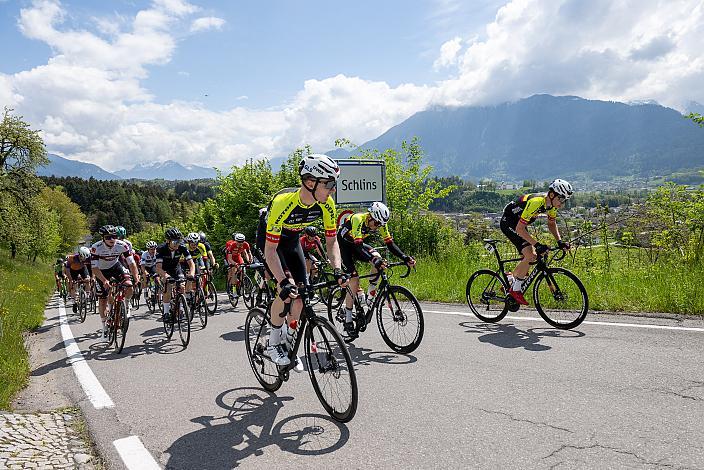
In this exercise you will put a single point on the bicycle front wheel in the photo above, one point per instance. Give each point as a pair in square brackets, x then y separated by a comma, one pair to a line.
[121, 323]
[211, 297]
[201, 307]
[183, 319]
[486, 295]
[232, 294]
[82, 305]
[248, 291]
[331, 370]
[560, 298]
[256, 332]
[400, 319]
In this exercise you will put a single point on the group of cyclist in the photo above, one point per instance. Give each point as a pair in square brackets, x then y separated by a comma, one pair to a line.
[288, 245]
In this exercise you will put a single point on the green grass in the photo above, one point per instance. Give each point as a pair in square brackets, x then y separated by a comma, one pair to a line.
[24, 290]
[626, 284]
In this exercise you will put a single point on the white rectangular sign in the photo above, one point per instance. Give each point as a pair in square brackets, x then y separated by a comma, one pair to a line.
[361, 182]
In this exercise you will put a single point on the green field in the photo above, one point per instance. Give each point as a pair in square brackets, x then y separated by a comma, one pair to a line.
[24, 290]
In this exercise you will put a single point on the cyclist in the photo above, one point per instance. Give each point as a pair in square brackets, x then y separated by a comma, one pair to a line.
[77, 265]
[105, 262]
[168, 256]
[59, 273]
[148, 263]
[310, 242]
[210, 261]
[289, 212]
[351, 235]
[522, 212]
[237, 251]
[198, 254]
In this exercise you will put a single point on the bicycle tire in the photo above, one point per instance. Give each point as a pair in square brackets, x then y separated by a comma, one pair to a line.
[232, 295]
[82, 305]
[121, 324]
[168, 324]
[110, 327]
[480, 297]
[396, 316]
[201, 307]
[182, 320]
[247, 289]
[574, 313]
[211, 298]
[136, 294]
[327, 355]
[256, 332]
[336, 312]
[149, 298]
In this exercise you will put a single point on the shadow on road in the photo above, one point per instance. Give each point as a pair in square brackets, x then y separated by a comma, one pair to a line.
[507, 335]
[237, 335]
[365, 357]
[248, 428]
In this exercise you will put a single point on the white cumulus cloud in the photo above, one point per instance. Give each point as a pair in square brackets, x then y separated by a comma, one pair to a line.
[207, 22]
[448, 53]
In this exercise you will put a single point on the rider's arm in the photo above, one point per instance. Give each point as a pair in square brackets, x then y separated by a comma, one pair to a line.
[248, 256]
[160, 269]
[133, 267]
[191, 267]
[552, 226]
[333, 251]
[98, 275]
[522, 231]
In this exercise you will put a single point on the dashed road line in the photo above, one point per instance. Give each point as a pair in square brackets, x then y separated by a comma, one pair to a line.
[134, 454]
[94, 390]
[586, 322]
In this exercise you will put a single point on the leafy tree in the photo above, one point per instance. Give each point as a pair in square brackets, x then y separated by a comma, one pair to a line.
[72, 225]
[696, 117]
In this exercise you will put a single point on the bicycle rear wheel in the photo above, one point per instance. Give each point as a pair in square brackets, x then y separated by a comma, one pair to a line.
[82, 304]
[201, 308]
[247, 290]
[121, 323]
[256, 333]
[136, 294]
[400, 319]
[486, 295]
[168, 323]
[211, 297]
[232, 294]
[331, 370]
[560, 298]
[183, 319]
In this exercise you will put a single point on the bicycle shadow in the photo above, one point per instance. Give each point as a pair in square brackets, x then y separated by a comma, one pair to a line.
[365, 357]
[507, 335]
[237, 335]
[248, 428]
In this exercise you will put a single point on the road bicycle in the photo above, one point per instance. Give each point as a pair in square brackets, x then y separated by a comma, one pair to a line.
[63, 289]
[243, 286]
[137, 295]
[559, 296]
[93, 297]
[82, 309]
[328, 362]
[178, 313]
[153, 294]
[321, 274]
[117, 322]
[211, 294]
[399, 316]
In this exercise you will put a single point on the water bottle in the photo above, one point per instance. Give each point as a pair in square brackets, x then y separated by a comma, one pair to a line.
[371, 296]
[291, 332]
[361, 300]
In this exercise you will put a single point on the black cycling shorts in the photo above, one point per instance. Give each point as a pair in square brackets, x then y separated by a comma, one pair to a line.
[510, 231]
[292, 260]
[80, 272]
[117, 272]
[349, 255]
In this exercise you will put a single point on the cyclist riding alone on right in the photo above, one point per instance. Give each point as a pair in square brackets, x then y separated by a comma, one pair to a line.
[522, 212]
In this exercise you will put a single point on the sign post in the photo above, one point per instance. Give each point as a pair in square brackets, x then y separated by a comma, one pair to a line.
[361, 182]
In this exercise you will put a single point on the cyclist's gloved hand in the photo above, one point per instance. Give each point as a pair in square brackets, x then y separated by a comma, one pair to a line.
[287, 289]
[563, 245]
[378, 263]
[410, 261]
[340, 277]
[541, 249]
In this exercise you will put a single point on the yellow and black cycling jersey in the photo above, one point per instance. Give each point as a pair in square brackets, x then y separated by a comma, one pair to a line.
[199, 252]
[288, 216]
[356, 229]
[526, 209]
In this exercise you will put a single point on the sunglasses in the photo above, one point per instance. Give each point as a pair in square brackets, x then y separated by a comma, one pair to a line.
[110, 237]
[329, 184]
[174, 241]
[562, 198]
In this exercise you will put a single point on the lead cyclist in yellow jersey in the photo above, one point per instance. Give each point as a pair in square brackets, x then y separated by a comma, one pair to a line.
[199, 255]
[290, 211]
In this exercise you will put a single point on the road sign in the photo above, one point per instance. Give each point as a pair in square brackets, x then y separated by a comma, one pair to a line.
[343, 216]
[361, 182]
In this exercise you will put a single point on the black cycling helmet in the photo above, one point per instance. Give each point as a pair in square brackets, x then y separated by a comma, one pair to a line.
[60, 261]
[173, 234]
[108, 230]
[311, 231]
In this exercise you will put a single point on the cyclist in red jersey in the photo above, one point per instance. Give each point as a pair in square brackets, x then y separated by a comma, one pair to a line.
[237, 251]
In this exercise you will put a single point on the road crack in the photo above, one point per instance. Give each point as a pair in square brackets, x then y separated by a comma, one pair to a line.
[522, 420]
[658, 463]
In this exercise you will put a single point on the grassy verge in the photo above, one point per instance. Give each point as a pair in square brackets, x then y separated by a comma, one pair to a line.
[621, 281]
[24, 289]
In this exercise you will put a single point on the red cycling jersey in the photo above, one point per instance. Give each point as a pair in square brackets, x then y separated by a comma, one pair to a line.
[309, 245]
[235, 250]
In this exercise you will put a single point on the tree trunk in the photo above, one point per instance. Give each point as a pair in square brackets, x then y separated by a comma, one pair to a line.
[13, 249]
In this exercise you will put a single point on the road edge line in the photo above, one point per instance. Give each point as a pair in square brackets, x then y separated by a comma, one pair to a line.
[134, 455]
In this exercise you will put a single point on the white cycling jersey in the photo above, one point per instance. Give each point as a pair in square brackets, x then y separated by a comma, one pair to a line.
[148, 261]
[129, 243]
[104, 257]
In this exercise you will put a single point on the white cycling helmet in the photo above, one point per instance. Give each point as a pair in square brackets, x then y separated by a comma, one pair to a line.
[83, 253]
[561, 188]
[151, 244]
[320, 166]
[238, 237]
[193, 237]
[380, 212]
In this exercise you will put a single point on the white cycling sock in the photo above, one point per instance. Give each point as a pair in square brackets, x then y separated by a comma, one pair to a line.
[166, 307]
[348, 314]
[275, 335]
[517, 284]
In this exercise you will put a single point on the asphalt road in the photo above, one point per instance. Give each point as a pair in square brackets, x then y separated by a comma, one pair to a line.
[517, 394]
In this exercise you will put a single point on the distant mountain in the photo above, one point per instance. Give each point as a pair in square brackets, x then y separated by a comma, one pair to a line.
[168, 170]
[60, 166]
[546, 136]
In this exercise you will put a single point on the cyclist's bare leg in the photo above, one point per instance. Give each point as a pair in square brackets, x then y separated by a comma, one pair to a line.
[529, 256]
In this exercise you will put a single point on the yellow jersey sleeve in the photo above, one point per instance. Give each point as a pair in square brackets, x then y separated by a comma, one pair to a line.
[329, 217]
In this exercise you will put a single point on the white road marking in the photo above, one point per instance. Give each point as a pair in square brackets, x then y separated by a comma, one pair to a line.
[134, 454]
[95, 392]
[586, 322]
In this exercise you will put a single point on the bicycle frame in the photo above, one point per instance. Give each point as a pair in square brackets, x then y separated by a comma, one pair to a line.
[541, 264]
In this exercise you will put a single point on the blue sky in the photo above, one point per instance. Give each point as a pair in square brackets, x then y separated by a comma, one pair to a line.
[121, 82]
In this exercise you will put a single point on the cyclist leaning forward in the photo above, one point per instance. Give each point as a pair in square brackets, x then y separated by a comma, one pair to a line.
[199, 255]
[351, 236]
[168, 256]
[148, 264]
[105, 262]
[236, 253]
[522, 212]
[78, 267]
[289, 212]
